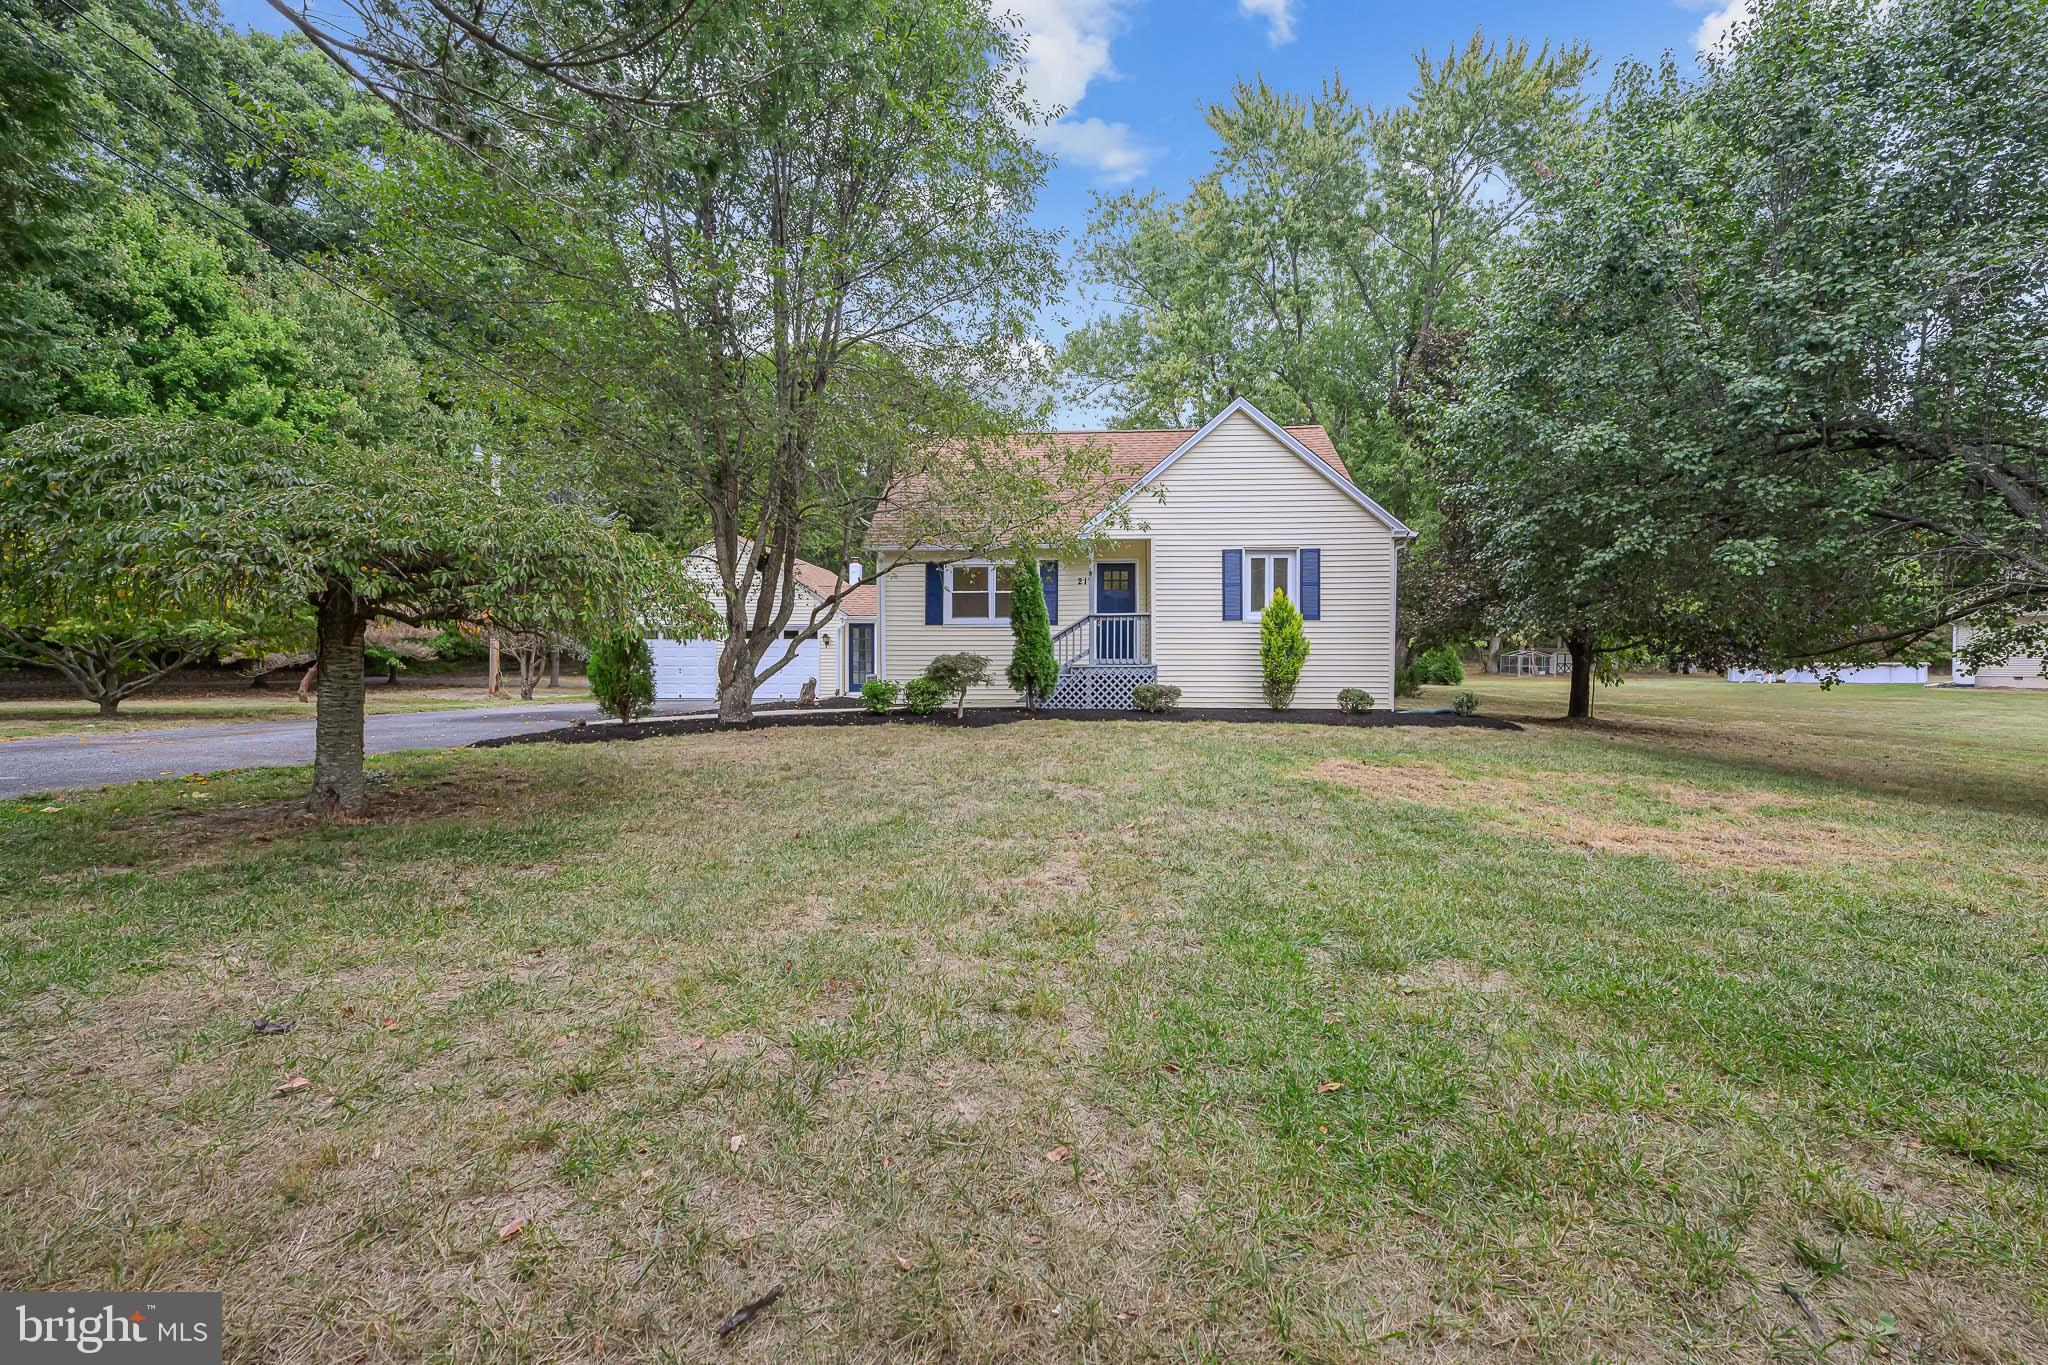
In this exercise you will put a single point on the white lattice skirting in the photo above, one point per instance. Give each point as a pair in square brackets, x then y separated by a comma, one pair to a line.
[1101, 687]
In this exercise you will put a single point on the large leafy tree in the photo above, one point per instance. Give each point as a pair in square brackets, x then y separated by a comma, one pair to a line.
[777, 261]
[175, 296]
[199, 148]
[148, 317]
[1327, 244]
[140, 316]
[203, 515]
[1767, 380]
[1329, 265]
[43, 198]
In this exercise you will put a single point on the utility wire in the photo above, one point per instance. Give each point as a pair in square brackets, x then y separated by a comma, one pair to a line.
[290, 259]
[261, 144]
[463, 147]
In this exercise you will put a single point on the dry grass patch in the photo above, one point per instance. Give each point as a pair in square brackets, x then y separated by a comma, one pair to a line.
[1450, 974]
[1061, 871]
[1707, 828]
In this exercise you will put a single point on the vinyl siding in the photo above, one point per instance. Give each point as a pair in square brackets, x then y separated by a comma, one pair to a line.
[908, 645]
[1242, 489]
[2022, 671]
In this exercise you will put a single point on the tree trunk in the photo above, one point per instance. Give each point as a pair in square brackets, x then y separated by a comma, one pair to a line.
[306, 682]
[1581, 706]
[109, 702]
[554, 665]
[338, 721]
[1493, 655]
[491, 669]
[735, 684]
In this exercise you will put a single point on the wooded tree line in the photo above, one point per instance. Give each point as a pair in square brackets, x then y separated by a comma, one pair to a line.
[1738, 367]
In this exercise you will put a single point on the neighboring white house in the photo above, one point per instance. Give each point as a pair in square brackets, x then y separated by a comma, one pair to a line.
[2019, 671]
[1222, 517]
[1861, 673]
[839, 658]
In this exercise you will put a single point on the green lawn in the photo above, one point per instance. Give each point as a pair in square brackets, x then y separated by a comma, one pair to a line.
[1068, 1040]
[151, 711]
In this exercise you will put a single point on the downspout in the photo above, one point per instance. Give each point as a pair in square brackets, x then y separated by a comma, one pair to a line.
[1394, 630]
[881, 618]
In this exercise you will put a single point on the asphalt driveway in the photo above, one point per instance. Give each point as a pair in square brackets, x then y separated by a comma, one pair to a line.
[43, 765]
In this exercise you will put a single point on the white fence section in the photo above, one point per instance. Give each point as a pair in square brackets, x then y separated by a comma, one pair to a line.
[1862, 673]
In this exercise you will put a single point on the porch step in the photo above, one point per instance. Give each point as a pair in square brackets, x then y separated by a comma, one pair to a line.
[1100, 687]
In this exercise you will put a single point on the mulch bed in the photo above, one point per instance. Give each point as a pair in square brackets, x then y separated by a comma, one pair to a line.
[981, 717]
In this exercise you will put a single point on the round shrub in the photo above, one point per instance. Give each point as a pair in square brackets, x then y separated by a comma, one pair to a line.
[924, 695]
[1354, 700]
[1155, 697]
[955, 673]
[1464, 703]
[621, 675]
[878, 694]
[1440, 667]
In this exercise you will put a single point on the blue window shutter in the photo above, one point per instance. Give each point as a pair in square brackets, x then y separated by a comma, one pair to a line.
[934, 595]
[1049, 575]
[1233, 585]
[1311, 585]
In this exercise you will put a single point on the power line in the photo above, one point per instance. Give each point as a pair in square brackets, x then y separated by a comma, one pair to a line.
[290, 259]
[471, 152]
[256, 139]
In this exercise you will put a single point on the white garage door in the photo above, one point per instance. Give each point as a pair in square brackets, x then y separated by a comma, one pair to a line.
[690, 669]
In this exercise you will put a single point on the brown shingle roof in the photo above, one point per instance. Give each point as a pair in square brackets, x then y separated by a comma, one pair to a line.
[819, 580]
[862, 601]
[1128, 455]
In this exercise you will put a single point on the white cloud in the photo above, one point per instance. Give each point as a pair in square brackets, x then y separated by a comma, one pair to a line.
[1066, 49]
[1110, 149]
[1721, 22]
[1066, 46]
[1278, 14]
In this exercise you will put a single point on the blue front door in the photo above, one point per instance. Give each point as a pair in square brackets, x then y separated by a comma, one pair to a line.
[860, 655]
[1116, 602]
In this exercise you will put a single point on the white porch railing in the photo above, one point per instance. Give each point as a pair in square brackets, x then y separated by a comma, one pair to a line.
[1106, 638]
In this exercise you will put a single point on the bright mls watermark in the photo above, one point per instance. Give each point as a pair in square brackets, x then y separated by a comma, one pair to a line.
[166, 1329]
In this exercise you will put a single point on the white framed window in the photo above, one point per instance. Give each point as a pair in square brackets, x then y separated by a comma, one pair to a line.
[977, 593]
[1267, 572]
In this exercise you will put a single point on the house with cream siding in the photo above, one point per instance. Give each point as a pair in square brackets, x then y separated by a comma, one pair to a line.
[1209, 524]
[839, 658]
[2021, 671]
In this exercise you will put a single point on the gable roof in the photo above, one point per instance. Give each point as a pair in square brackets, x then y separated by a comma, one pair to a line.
[1329, 466]
[815, 579]
[1135, 459]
